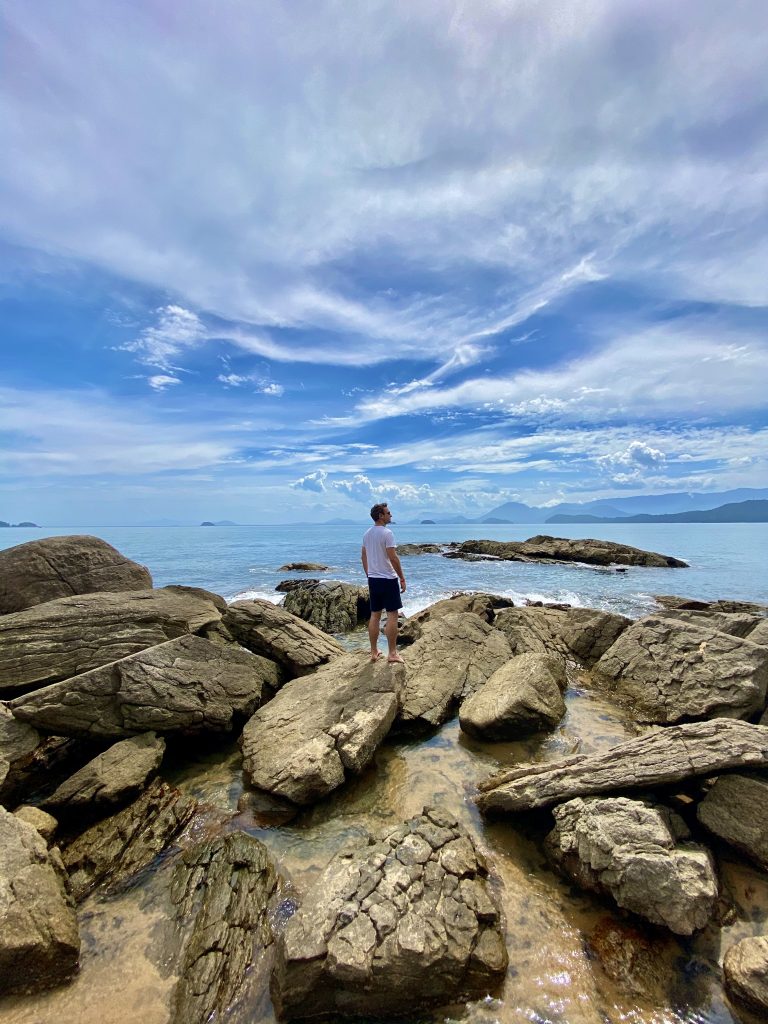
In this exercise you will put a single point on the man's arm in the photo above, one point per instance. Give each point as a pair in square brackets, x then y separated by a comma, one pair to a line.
[395, 563]
[364, 559]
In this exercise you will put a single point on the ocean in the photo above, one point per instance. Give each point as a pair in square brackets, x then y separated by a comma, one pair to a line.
[726, 560]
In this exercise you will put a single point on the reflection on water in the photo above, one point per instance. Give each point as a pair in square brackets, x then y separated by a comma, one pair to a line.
[574, 959]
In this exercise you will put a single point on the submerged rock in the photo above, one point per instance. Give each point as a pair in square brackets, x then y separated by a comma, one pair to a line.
[43, 570]
[522, 696]
[560, 549]
[639, 854]
[330, 605]
[404, 922]
[745, 969]
[736, 810]
[266, 629]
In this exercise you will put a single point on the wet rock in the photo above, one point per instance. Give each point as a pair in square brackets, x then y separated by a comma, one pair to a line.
[522, 696]
[736, 810]
[420, 549]
[43, 570]
[39, 939]
[224, 887]
[63, 638]
[286, 586]
[639, 960]
[188, 686]
[113, 777]
[745, 968]
[52, 759]
[407, 921]
[582, 633]
[639, 854]
[118, 847]
[40, 820]
[332, 606]
[304, 742]
[658, 758]
[18, 742]
[669, 670]
[560, 549]
[304, 567]
[690, 604]
[266, 629]
[452, 658]
[482, 605]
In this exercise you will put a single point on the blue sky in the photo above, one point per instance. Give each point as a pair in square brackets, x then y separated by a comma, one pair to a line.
[268, 262]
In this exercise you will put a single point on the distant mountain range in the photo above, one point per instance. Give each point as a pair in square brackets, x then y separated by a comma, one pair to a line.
[735, 512]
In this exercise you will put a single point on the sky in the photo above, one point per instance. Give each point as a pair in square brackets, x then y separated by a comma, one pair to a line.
[272, 262]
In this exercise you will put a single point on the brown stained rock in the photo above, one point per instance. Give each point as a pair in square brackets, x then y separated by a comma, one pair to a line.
[560, 549]
[43, 570]
[188, 685]
[113, 777]
[18, 743]
[657, 758]
[759, 635]
[118, 847]
[669, 670]
[41, 821]
[271, 631]
[739, 624]
[522, 696]
[39, 939]
[736, 810]
[318, 728]
[482, 605]
[404, 922]
[582, 633]
[745, 967]
[427, 548]
[330, 605]
[63, 638]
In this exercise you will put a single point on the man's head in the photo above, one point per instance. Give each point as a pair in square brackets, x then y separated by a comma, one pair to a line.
[380, 514]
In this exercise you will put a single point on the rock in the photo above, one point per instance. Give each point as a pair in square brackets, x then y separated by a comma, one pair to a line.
[286, 586]
[332, 606]
[407, 921]
[63, 638]
[735, 623]
[672, 601]
[406, 550]
[188, 686]
[736, 810]
[522, 696]
[745, 969]
[483, 605]
[18, 743]
[304, 567]
[40, 820]
[639, 854]
[266, 629]
[225, 887]
[669, 670]
[43, 570]
[119, 774]
[582, 633]
[118, 847]
[759, 635]
[318, 728]
[658, 758]
[452, 658]
[559, 549]
[54, 757]
[39, 939]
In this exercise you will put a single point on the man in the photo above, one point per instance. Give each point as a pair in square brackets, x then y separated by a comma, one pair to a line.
[382, 567]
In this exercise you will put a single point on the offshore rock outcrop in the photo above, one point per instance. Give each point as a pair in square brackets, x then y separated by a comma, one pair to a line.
[266, 629]
[543, 548]
[330, 605]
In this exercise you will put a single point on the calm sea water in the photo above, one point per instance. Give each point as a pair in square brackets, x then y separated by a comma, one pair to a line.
[726, 560]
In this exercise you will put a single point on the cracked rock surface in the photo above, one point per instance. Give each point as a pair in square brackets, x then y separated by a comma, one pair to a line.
[736, 623]
[39, 938]
[582, 633]
[745, 967]
[523, 696]
[271, 631]
[560, 549]
[639, 854]
[330, 605]
[318, 728]
[736, 810]
[670, 670]
[225, 887]
[114, 776]
[18, 743]
[404, 922]
[657, 758]
[482, 605]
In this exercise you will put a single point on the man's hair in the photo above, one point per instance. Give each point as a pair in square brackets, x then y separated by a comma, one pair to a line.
[378, 510]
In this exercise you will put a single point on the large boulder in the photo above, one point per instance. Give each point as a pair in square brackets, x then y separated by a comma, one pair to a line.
[560, 549]
[483, 605]
[43, 570]
[39, 939]
[759, 635]
[736, 623]
[638, 853]
[18, 743]
[522, 696]
[668, 670]
[745, 969]
[63, 638]
[736, 810]
[330, 605]
[224, 887]
[117, 775]
[266, 629]
[404, 922]
[657, 758]
[188, 685]
[582, 633]
[452, 658]
[319, 728]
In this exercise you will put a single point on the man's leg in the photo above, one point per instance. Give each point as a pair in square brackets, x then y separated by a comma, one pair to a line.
[390, 631]
[374, 625]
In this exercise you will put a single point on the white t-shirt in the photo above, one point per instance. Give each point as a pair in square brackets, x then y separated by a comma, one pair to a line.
[376, 541]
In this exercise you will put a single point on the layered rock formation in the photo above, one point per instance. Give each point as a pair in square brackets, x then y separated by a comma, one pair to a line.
[116, 775]
[330, 605]
[266, 629]
[559, 549]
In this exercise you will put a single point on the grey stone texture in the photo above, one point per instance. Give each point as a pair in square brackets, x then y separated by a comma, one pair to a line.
[581, 633]
[739, 624]
[543, 548]
[330, 605]
[18, 743]
[524, 695]
[483, 605]
[271, 631]
[745, 969]
[40, 820]
[116, 775]
[736, 810]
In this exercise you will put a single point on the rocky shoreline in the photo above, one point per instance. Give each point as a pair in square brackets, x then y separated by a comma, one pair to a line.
[100, 672]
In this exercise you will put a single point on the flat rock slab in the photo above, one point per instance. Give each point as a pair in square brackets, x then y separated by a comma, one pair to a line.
[63, 638]
[669, 670]
[404, 922]
[560, 549]
[187, 686]
[658, 758]
[39, 939]
[225, 887]
[118, 847]
[452, 658]
[330, 605]
[638, 853]
[117, 775]
[745, 968]
[271, 631]
[736, 623]
[581, 633]
[482, 605]
[319, 728]
[523, 696]
[736, 810]
[43, 570]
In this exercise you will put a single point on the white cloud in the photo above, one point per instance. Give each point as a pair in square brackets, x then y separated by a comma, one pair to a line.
[176, 329]
[311, 482]
[636, 454]
[238, 380]
[161, 382]
[272, 389]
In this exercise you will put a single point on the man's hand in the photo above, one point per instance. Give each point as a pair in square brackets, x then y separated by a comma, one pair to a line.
[402, 584]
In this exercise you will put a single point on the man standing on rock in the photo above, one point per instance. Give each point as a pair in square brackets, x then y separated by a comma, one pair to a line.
[382, 567]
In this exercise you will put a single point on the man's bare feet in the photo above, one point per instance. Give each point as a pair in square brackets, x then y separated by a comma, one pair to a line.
[395, 659]
[375, 655]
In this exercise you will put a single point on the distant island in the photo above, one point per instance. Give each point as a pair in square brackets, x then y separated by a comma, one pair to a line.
[755, 511]
[16, 525]
[219, 522]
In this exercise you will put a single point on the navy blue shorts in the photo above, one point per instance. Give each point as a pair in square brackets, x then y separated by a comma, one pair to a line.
[385, 594]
